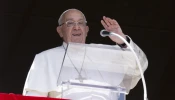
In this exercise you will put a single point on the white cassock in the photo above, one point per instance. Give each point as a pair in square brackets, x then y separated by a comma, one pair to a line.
[42, 79]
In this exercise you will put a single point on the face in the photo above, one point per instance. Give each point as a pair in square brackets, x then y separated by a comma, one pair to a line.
[74, 28]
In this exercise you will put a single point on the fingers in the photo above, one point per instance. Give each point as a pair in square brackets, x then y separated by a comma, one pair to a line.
[107, 22]
[104, 25]
[115, 22]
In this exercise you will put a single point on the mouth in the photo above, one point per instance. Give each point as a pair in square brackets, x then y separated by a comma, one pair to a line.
[76, 34]
[77, 37]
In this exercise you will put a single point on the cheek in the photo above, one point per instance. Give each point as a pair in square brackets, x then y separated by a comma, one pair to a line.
[67, 32]
[84, 30]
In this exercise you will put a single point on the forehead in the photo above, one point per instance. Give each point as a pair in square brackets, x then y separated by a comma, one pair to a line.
[74, 15]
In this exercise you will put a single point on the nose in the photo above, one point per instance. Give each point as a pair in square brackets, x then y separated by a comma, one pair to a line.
[76, 27]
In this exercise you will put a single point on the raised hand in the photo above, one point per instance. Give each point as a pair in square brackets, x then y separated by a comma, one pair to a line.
[111, 25]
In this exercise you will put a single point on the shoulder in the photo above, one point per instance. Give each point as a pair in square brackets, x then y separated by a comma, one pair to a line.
[52, 51]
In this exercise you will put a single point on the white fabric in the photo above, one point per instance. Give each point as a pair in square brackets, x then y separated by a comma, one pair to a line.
[43, 75]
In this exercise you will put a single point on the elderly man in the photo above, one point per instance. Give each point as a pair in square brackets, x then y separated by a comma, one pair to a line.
[43, 74]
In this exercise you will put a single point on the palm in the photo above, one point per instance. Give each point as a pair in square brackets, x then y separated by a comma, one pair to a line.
[111, 25]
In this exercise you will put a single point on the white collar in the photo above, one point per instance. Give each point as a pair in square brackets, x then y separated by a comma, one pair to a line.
[64, 45]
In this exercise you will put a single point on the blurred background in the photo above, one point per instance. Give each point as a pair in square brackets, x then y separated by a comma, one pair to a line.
[28, 27]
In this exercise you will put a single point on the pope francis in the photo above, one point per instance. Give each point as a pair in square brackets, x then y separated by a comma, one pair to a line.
[46, 73]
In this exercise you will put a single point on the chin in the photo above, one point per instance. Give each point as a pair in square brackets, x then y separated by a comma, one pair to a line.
[77, 41]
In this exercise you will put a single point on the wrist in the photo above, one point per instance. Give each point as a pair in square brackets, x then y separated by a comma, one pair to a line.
[123, 45]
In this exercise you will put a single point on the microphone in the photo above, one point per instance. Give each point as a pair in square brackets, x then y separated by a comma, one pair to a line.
[105, 33]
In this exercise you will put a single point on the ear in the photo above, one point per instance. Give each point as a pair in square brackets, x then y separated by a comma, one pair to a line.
[59, 31]
[87, 30]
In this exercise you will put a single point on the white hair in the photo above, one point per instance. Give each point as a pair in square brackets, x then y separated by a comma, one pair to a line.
[60, 20]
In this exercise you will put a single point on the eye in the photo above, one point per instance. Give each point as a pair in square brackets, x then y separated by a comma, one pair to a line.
[81, 23]
[70, 23]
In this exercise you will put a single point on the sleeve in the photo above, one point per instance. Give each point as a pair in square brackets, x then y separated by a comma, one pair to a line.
[37, 81]
[136, 76]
